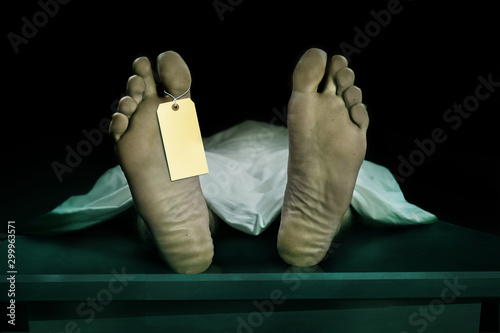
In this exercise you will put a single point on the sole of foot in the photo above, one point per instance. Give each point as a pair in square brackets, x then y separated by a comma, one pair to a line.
[327, 142]
[175, 212]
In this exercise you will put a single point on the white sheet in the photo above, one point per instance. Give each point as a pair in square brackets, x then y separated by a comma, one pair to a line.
[245, 187]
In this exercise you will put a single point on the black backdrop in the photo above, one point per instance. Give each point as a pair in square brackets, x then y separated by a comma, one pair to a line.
[67, 76]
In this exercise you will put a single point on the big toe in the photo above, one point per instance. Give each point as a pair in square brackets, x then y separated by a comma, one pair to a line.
[174, 73]
[309, 71]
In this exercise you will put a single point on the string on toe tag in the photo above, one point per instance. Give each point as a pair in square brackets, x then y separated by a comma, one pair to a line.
[175, 107]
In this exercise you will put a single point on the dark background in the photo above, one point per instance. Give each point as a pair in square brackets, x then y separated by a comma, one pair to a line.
[68, 77]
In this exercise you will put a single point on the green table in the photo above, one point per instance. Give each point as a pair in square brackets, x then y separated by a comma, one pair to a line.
[433, 278]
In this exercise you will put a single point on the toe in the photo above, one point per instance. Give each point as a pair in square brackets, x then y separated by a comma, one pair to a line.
[336, 64]
[357, 110]
[359, 115]
[174, 74]
[142, 67]
[352, 96]
[127, 106]
[309, 71]
[136, 87]
[118, 126]
[344, 80]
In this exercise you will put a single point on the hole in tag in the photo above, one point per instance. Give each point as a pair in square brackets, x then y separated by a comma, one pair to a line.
[175, 107]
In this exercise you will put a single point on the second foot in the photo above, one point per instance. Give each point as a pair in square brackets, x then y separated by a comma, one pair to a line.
[327, 142]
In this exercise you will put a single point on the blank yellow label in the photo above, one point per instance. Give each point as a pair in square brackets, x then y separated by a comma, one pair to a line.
[181, 136]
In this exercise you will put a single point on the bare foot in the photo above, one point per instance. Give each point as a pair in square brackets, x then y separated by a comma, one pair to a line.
[327, 135]
[175, 213]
